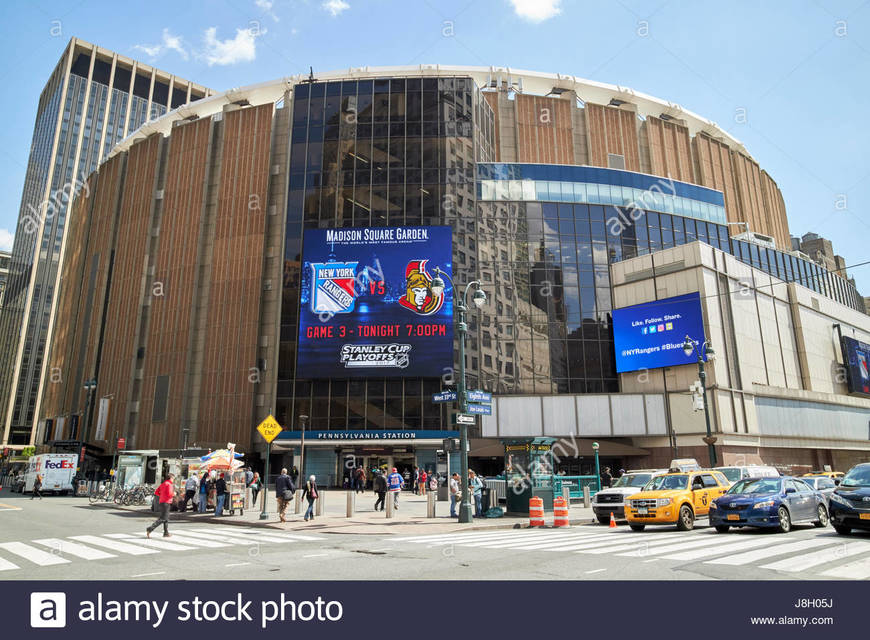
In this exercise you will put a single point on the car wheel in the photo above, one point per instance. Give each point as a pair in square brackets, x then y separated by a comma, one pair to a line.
[603, 520]
[842, 529]
[722, 528]
[637, 527]
[687, 518]
[823, 517]
[784, 520]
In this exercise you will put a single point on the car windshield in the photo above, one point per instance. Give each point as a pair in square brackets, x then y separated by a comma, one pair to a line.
[732, 473]
[857, 477]
[762, 485]
[667, 483]
[633, 480]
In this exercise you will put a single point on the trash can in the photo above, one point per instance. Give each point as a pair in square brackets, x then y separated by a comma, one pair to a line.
[485, 499]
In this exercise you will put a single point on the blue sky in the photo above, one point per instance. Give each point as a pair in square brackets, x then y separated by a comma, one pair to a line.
[797, 71]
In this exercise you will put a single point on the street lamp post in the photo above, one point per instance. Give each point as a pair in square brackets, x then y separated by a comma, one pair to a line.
[597, 467]
[302, 420]
[693, 346]
[88, 386]
[478, 298]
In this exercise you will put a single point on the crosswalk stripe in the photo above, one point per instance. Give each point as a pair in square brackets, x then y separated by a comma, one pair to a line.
[5, 565]
[148, 542]
[285, 535]
[114, 545]
[721, 549]
[211, 536]
[489, 540]
[819, 557]
[472, 535]
[624, 543]
[242, 536]
[177, 538]
[762, 554]
[65, 547]
[510, 544]
[568, 541]
[859, 570]
[36, 556]
[640, 547]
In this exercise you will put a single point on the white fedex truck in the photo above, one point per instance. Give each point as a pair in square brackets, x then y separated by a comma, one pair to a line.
[57, 471]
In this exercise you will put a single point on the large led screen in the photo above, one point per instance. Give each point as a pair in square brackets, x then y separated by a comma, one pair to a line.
[856, 355]
[367, 305]
[651, 335]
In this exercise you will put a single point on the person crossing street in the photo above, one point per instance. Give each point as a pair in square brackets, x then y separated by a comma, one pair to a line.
[37, 487]
[284, 492]
[310, 492]
[164, 495]
[379, 485]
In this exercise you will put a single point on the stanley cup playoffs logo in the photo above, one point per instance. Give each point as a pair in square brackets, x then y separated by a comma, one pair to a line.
[419, 296]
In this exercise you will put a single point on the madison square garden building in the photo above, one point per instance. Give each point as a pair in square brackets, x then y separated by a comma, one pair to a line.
[271, 250]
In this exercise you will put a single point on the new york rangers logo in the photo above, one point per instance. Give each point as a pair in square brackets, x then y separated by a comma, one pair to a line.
[332, 287]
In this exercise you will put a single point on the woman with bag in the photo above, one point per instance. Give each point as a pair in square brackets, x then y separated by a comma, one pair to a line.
[310, 492]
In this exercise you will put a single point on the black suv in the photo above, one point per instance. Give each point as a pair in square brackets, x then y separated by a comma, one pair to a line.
[850, 502]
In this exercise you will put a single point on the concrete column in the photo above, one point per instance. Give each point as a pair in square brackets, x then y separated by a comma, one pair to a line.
[586, 499]
[389, 504]
[351, 500]
[319, 505]
[297, 502]
[430, 504]
[566, 493]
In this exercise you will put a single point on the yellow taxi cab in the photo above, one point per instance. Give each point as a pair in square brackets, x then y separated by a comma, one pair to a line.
[833, 475]
[675, 498]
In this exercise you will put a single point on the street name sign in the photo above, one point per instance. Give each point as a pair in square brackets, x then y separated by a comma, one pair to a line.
[480, 409]
[479, 396]
[444, 396]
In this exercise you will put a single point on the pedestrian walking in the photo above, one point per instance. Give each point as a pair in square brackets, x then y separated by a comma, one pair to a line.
[395, 484]
[220, 498]
[164, 495]
[284, 491]
[416, 486]
[455, 494]
[606, 478]
[423, 478]
[191, 486]
[361, 480]
[310, 493]
[379, 484]
[476, 488]
[249, 476]
[256, 485]
[203, 493]
[37, 487]
[433, 482]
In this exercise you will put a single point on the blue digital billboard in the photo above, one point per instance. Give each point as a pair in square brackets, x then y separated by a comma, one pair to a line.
[367, 307]
[856, 355]
[651, 335]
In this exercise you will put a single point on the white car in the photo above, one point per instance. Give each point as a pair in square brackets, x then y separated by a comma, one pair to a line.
[612, 499]
[739, 472]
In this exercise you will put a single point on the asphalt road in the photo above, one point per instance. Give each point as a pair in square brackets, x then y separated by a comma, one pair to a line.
[66, 538]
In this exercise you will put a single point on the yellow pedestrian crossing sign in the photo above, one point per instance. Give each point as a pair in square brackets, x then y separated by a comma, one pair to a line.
[269, 429]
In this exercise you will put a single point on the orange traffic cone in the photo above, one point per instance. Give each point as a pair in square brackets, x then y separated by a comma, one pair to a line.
[612, 521]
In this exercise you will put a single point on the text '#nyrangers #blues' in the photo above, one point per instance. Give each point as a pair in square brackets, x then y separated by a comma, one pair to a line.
[367, 307]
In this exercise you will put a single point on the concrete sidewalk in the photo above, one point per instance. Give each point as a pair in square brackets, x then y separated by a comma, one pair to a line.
[409, 519]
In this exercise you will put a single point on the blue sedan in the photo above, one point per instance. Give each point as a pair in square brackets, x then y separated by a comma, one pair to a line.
[768, 502]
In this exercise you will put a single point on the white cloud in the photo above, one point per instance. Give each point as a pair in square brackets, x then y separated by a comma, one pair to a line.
[169, 42]
[5, 240]
[335, 7]
[266, 7]
[242, 48]
[536, 10]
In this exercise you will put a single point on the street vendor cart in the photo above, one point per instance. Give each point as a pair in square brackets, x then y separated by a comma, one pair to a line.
[228, 462]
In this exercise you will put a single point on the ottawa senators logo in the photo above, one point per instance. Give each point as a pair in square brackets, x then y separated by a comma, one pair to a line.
[418, 295]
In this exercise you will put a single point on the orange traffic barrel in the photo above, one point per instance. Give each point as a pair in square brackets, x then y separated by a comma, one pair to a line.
[560, 512]
[536, 512]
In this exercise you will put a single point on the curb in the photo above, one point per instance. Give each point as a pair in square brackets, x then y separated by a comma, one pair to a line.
[146, 511]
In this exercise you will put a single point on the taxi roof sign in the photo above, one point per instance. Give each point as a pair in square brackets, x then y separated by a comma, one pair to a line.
[269, 429]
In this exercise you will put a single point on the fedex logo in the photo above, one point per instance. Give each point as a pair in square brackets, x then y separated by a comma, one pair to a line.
[58, 464]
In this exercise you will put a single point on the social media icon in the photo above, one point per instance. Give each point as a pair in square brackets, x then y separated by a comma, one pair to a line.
[644, 331]
[661, 327]
[47, 609]
[669, 326]
[652, 329]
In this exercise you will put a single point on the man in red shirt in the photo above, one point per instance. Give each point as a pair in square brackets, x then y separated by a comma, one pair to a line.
[164, 493]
